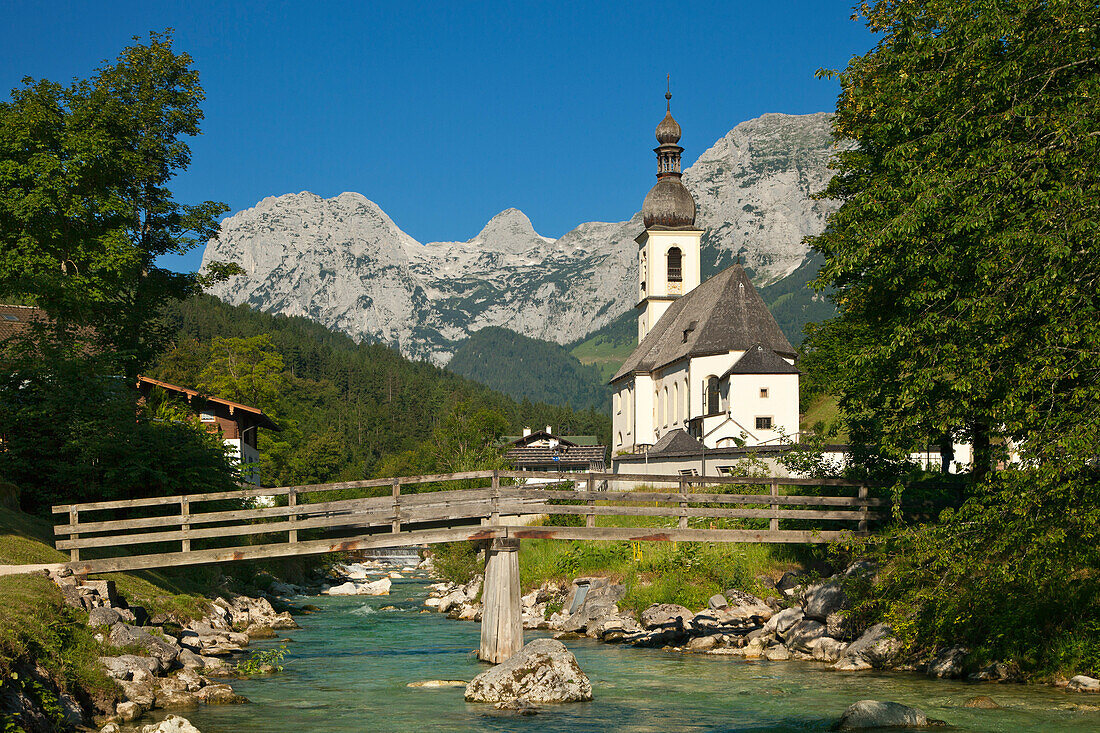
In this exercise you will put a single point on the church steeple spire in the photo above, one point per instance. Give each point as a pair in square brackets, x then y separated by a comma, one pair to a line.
[668, 203]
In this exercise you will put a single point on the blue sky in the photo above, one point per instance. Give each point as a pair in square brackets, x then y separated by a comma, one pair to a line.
[447, 113]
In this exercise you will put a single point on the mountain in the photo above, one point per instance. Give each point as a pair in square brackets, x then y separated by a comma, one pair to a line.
[344, 263]
[526, 368]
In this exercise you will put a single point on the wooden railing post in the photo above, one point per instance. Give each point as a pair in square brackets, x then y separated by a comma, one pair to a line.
[683, 524]
[590, 520]
[74, 519]
[773, 524]
[396, 526]
[185, 525]
[292, 500]
[494, 498]
[863, 509]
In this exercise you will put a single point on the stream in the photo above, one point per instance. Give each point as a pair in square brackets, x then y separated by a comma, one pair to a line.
[348, 667]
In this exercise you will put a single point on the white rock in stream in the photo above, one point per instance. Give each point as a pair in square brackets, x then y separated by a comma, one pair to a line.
[377, 588]
[543, 671]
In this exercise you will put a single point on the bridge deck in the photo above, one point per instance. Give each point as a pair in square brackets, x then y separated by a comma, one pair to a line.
[447, 508]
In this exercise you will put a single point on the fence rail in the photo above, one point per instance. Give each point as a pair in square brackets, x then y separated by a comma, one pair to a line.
[140, 533]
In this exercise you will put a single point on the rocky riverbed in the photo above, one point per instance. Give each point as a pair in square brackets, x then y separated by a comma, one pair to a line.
[802, 620]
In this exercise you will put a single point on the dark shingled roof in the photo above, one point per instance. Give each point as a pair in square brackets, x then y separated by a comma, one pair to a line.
[677, 441]
[728, 315]
[761, 360]
[580, 455]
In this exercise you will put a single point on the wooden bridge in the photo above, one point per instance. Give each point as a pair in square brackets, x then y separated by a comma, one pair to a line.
[494, 507]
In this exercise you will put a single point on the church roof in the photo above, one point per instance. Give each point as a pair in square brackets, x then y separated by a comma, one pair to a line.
[677, 441]
[723, 314]
[761, 360]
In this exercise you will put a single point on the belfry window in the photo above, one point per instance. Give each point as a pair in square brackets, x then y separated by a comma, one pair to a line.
[675, 265]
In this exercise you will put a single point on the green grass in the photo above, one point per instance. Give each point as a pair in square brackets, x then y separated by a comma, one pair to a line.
[824, 409]
[686, 573]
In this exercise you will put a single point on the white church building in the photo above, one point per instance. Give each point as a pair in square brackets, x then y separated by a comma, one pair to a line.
[712, 368]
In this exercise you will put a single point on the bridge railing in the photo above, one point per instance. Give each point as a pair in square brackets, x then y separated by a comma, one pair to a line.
[258, 522]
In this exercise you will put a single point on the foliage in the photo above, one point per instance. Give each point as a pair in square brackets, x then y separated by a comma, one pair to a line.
[965, 260]
[84, 206]
[262, 661]
[456, 561]
[347, 408]
[528, 368]
[70, 431]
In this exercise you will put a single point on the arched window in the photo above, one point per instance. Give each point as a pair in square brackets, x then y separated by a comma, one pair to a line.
[713, 407]
[665, 407]
[675, 265]
[619, 439]
[675, 402]
[687, 402]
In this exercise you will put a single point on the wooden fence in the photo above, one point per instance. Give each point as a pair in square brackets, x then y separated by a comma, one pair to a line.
[143, 533]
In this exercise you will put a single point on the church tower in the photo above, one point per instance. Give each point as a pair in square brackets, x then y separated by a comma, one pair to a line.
[668, 249]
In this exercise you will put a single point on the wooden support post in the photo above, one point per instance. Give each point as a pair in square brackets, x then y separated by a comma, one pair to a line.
[683, 524]
[590, 520]
[292, 500]
[773, 525]
[396, 526]
[185, 527]
[74, 518]
[502, 617]
[863, 509]
[494, 498]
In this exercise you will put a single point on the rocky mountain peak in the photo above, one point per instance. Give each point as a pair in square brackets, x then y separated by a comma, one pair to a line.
[344, 262]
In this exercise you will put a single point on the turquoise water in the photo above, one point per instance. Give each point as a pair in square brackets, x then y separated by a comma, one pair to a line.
[349, 665]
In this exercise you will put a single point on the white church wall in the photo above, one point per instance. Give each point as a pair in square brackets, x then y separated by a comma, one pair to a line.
[703, 367]
[748, 402]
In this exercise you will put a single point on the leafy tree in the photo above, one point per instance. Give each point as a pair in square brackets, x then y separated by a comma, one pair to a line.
[965, 262]
[965, 256]
[85, 208]
[247, 370]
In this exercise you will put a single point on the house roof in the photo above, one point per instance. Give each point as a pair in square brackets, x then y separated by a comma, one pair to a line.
[261, 419]
[677, 441]
[536, 435]
[15, 319]
[580, 455]
[723, 314]
[761, 360]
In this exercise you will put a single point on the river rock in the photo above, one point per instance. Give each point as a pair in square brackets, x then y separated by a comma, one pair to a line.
[778, 653]
[171, 724]
[789, 584]
[876, 649]
[983, 702]
[664, 616]
[824, 598]
[613, 629]
[219, 695]
[998, 672]
[124, 666]
[128, 711]
[703, 643]
[601, 600]
[110, 728]
[438, 683]
[882, 714]
[744, 605]
[948, 663]
[543, 671]
[519, 706]
[124, 635]
[781, 623]
[104, 616]
[717, 601]
[805, 635]
[829, 650]
[1081, 683]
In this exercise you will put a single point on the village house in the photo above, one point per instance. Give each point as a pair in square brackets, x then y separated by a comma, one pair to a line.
[237, 424]
[542, 450]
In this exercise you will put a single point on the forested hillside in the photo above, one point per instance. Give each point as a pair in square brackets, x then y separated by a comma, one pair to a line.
[527, 368]
[344, 407]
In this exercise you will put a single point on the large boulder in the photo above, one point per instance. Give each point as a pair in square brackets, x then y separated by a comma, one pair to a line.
[781, 623]
[829, 650]
[948, 662]
[155, 644]
[601, 600]
[876, 649]
[543, 671]
[805, 635]
[171, 724]
[666, 616]
[822, 599]
[125, 666]
[883, 714]
[1082, 683]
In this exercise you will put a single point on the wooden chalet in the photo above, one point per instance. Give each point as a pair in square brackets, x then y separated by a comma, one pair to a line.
[542, 450]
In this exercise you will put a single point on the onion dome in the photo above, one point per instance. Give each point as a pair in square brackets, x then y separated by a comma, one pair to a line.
[668, 205]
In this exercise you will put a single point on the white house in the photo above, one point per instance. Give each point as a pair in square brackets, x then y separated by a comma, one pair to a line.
[711, 361]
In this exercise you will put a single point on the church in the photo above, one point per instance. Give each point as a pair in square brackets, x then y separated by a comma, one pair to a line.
[712, 368]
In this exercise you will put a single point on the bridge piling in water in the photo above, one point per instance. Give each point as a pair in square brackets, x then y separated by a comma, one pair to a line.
[502, 614]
